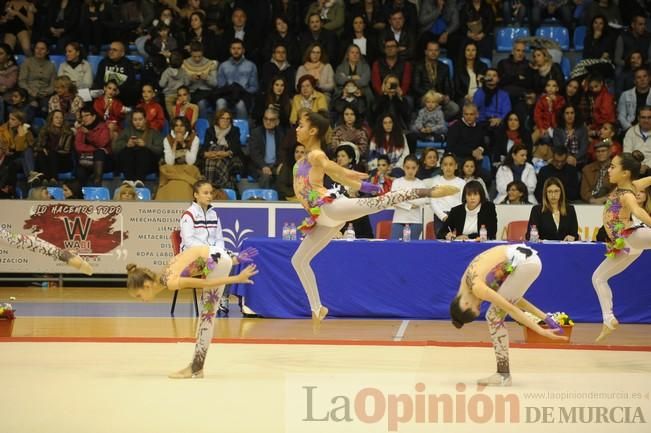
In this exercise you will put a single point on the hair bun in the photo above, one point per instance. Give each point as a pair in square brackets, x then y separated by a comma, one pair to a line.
[131, 267]
[457, 324]
[637, 155]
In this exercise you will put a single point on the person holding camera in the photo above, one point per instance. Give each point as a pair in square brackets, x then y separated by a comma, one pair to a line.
[493, 103]
[392, 101]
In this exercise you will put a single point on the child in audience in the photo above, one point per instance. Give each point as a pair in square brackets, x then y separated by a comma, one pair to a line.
[382, 176]
[184, 108]
[430, 124]
[408, 212]
[153, 111]
[171, 80]
[109, 108]
[429, 164]
[548, 104]
[441, 206]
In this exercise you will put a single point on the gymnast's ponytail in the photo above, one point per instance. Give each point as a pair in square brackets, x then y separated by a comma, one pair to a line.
[136, 277]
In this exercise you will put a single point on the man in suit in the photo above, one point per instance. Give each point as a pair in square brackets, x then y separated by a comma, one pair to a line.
[398, 31]
[264, 146]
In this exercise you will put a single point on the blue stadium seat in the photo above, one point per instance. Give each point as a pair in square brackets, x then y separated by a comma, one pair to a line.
[579, 37]
[38, 123]
[96, 193]
[243, 125]
[19, 192]
[68, 175]
[232, 195]
[266, 194]
[57, 59]
[143, 194]
[486, 62]
[56, 192]
[450, 65]
[486, 164]
[565, 67]
[136, 58]
[505, 37]
[166, 129]
[94, 63]
[556, 33]
[20, 58]
[201, 127]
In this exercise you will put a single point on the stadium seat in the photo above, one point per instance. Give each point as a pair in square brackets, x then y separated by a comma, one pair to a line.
[18, 192]
[486, 62]
[383, 229]
[232, 195]
[556, 33]
[565, 67]
[243, 125]
[505, 37]
[94, 63]
[57, 59]
[579, 37]
[200, 128]
[516, 230]
[143, 194]
[56, 193]
[20, 58]
[93, 193]
[166, 129]
[38, 123]
[136, 58]
[450, 65]
[265, 194]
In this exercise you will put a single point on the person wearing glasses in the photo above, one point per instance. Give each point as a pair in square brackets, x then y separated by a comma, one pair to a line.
[638, 137]
[221, 156]
[554, 218]
[264, 148]
[117, 67]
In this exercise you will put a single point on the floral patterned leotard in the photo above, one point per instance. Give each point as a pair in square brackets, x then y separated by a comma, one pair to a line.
[312, 197]
[614, 224]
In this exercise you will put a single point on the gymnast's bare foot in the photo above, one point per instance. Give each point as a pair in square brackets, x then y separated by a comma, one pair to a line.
[318, 316]
[186, 373]
[78, 263]
[607, 329]
[443, 191]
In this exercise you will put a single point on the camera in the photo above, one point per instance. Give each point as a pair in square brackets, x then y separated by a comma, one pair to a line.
[393, 86]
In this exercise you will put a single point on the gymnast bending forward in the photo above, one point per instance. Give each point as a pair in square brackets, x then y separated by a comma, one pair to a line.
[501, 276]
[330, 209]
[195, 267]
[32, 243]
[628, 239]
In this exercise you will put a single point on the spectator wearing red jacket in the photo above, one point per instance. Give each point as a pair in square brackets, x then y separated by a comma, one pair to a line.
[602, 105]
[390, 64]
[110, 109]
[544, 114]
[93, 146]
[153, 110]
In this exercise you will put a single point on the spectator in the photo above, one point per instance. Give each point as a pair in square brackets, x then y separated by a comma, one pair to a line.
[62, 23]
[428, 166]
[307, 97]
[542, 9]
[8, 74]
[430, 124]
[237, 82]
[66, 100]
[153, 110]
[92, 25]
[372, 13]
[277, 98]
[164, 43]
[39, 193]
[282, 35]
[630, 100]
[554, 218]
[264, 148]
[599, 40]
[351, 97]
[221, 157]
[408, 212]
[516, 168]
[542, 69]
[514, 12]
[241, 29]
[638, 137]
[93, 147]
[626, 77]
[441, 206]
[315, 63]
[363, 38]
[284, 173]
[516, 193]
[574, 93]
[76, 68]
[469, 73]
[179, 173]
[277, 66]
[350, 130]
[138, 148]
[547, 106]
[602, 103]
[53, 148]
[118, 68]
[510, 133]
[634, 39]
[18, 103]
[607, 133]
[202, 73]
[408, 9]
[16, 24]
[184, 108]
[608, 9]
[571, 133]
[7, 174]
[466, 219]
[595, 186]
[71, 189]
[17, 140]
[125, 192]
[476, 23]
[331, 12]
[514, 74]
[493, 103]
[37, 76]
[470, 171]
[383, 176]
[317, 34]
[110, 108]
[388, 139]
[400, 33]
[390, 64]
[392, 101]
[466, 137]
[432, 74]
[172, 79]
[560, 169]
[200, 34]
[440, 18]
[354, 68]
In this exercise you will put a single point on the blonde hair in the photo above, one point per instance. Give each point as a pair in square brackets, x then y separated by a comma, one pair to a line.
[432, 95]
[126, 188]
[65, 81]
[136, 277]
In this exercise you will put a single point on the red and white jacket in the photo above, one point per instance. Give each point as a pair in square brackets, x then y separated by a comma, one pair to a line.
[201, 228]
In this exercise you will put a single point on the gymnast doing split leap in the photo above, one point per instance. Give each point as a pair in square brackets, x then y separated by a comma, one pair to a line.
[329, 209]
[32, 243]
[202, 267]
[501, 275]
[627, 238]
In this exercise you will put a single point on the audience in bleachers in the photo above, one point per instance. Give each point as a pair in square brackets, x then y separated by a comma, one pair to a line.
[380, 65]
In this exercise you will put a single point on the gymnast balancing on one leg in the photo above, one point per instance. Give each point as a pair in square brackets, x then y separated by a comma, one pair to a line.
[195, 267]
[32, 243]
[627, 239]
[329, 209]
[501, 276]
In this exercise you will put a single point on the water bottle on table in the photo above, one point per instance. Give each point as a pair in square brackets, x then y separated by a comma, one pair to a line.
[349, 234]
[483, 234]
[285, 232]
[292, 232]
[406, 233]
[534, 237]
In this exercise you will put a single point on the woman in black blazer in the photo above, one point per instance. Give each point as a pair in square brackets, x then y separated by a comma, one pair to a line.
[465, 220]
[555, 219]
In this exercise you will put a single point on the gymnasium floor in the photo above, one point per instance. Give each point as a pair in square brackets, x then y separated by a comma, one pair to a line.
[94, 360]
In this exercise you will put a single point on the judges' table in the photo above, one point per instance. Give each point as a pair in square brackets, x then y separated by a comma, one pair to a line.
[419, 279]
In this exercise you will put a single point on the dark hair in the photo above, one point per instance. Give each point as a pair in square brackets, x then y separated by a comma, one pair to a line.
[560, 117]
[321, 122]
[461, 60]
[306, 54]
[449, 155]
[590, 28]
[643, 108]
[411, 158]
[136, 277]
[22, 92]
[176, 59]
[270, 98]
[196, 46]
[474, 187]
[182, 119]
[236, 41]
[632, 162]
[77, 46]
[520, 186]
[88, 108]
[396, 140]
[353, 108]
[559, 150]
[349, 150]
[460, 317]
[304, 78]
[474, 161]
[385, 158]
[508, 161]
[198, 184]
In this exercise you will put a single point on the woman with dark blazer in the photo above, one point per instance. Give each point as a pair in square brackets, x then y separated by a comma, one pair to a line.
[555, 219]
[465, 220]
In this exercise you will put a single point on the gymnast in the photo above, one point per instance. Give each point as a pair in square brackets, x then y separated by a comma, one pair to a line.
[627, 239]
[195, 267]
[32, 243]
[330, 209]
[501, 275]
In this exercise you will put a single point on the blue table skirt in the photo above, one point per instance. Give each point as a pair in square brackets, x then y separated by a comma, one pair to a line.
[419, 279]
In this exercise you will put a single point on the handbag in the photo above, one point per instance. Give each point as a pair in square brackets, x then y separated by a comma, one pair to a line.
[86, 159]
